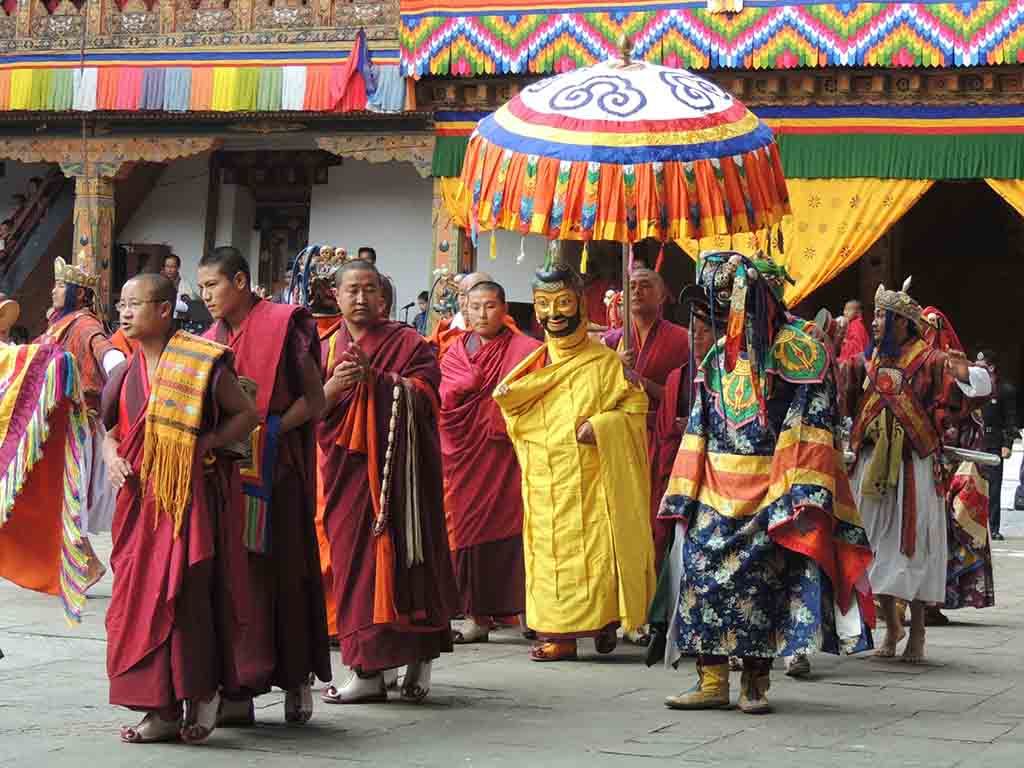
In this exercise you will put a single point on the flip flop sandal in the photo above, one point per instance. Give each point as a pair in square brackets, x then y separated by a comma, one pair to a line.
[151, 730]
[298, 705]
[333, 695]
[551, 652]
[201, 720]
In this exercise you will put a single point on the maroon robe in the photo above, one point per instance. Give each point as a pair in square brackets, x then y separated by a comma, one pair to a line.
[673, 411]
[666, 349]
[418, 598]
[483, 489]
[179, 604]
[288, 632]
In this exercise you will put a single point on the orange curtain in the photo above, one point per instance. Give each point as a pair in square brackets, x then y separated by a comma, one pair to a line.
[834, 223]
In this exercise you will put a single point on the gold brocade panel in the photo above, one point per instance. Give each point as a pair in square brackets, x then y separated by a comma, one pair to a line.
[456, 200]
[1011, 190]
[834, 223]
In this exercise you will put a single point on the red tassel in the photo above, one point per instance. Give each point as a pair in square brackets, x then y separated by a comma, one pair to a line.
[661, 258]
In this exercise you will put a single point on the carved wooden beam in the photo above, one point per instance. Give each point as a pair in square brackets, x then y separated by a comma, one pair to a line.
[415, 148]
[105, 155]
[776, 88]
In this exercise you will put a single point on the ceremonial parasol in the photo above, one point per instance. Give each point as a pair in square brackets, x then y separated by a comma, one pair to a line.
[623, 150]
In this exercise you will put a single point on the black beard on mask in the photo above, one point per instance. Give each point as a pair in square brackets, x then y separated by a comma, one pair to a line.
[568, 330]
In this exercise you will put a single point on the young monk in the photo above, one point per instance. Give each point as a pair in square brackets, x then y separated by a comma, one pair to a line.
[383, 509]
[659, 347]
[275, 346]
[179, 595]
[483, 497]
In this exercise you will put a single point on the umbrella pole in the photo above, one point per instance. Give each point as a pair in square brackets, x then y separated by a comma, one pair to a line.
[627, 318]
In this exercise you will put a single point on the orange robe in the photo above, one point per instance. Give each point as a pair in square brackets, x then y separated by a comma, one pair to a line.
[444, 335]
[327, 326]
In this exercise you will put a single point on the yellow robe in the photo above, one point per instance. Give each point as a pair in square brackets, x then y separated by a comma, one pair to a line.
[586, 528]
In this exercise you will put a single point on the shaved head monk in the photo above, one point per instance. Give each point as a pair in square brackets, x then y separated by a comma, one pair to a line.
[659, 347]
[179, 594]
[448, 332]
[461, 321]
[277, 348]
[483, 494]
[383, 511]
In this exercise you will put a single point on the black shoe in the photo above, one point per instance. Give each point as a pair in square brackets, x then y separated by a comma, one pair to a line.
[997, 536]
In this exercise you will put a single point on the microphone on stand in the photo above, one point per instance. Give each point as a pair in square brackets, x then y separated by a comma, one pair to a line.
[410, 305]
[405, 309]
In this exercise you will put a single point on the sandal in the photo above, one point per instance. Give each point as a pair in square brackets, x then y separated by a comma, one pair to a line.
[151, 729]
[298, 705]
[357, 690]
[200, 719]
[416, 685]
[554, 650]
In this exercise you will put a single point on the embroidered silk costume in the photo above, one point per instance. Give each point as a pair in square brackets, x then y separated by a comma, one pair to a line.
[772, 552]
[899, 402]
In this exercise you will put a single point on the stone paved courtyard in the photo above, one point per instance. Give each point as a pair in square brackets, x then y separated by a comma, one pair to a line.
[491, 706]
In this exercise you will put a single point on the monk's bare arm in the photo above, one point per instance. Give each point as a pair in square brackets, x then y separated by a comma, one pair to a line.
[118, 469]
[241, 416]
[312, 404]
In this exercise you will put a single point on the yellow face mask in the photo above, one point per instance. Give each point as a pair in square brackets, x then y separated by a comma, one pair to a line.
[563, 315]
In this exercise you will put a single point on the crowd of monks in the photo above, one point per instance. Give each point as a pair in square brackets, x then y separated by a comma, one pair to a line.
[294, 478]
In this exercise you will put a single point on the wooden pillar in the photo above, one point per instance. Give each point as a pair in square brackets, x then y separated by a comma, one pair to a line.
[94, 223]
[448, 245]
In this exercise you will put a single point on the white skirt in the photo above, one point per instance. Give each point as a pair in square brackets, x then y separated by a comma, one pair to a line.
[98, 496]
[923, 576]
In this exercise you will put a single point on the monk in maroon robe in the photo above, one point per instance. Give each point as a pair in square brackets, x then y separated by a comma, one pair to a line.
[383, 500]
[659, 347]
[483, 489]
[277, 347]
[180, 600]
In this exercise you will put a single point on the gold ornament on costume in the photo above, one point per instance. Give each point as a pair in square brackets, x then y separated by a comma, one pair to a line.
[899, 303]
[73, 274]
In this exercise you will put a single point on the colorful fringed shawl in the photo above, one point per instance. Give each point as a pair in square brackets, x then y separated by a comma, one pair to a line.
[173, 421]
[40, 537]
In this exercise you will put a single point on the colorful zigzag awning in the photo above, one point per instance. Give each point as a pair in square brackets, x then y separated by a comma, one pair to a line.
[478, 37]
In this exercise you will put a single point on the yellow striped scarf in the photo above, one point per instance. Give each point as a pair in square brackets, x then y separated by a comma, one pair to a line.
[173, 420]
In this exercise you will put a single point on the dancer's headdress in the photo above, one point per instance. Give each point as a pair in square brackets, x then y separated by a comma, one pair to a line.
[899, 303]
